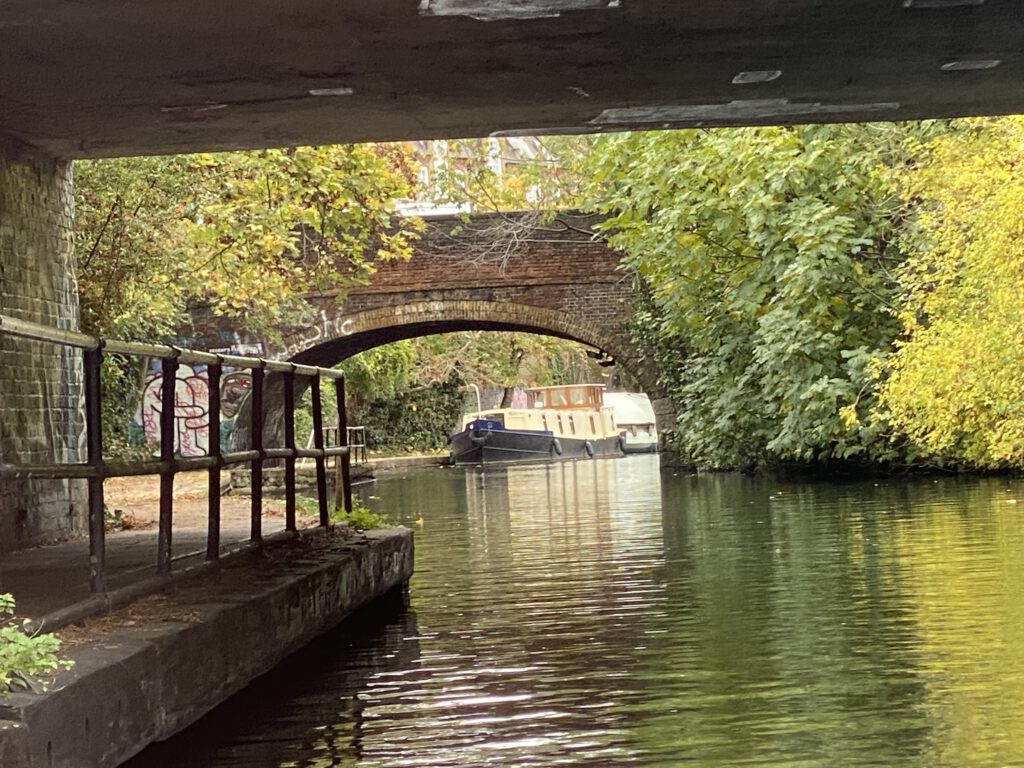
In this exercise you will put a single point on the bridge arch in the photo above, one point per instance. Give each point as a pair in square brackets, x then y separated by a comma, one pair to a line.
[349, 335]
[341, 337]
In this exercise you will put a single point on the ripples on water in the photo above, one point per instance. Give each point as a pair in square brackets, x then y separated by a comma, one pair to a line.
[602, 614]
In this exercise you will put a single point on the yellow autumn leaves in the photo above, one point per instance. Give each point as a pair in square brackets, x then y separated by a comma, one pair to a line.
[955, 383]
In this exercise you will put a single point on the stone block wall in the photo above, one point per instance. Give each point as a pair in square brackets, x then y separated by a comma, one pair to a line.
[40, 384]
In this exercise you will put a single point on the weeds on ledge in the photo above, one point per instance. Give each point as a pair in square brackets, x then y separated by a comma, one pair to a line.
[361, 517]
[25, 660]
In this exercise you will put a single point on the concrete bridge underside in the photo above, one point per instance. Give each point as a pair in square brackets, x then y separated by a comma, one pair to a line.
[89, 79]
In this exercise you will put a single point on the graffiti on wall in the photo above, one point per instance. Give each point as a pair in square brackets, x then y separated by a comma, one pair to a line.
[191, 407]
[323, 329]
[234, 388]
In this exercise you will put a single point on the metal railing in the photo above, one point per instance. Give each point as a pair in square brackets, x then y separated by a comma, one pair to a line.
[96, 469]
[356, 441]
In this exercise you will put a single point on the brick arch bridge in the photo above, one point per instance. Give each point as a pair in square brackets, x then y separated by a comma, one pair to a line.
[352, 332]
[498, 273]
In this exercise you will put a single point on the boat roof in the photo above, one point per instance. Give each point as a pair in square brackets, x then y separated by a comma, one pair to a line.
[630, 407]
[564, 386]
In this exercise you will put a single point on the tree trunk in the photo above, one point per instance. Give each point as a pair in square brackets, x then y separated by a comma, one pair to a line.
[506, 398]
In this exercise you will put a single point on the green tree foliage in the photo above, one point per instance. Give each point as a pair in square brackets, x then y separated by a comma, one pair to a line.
[132, 245]
[493, 360]
[954, 385]
[248, 232]
[381, 373]
[420, 419]
[768, 254]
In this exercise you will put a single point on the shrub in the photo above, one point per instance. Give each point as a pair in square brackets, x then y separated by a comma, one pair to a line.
[25, 658]
[361, 517]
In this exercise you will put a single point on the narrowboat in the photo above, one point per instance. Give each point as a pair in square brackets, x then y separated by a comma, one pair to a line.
[634, 417]
[566, 422]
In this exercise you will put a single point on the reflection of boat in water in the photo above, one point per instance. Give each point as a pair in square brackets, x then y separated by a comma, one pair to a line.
[567, 422]
[634, 417]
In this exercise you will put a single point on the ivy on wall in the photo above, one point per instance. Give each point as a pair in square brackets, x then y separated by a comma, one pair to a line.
[418, 420]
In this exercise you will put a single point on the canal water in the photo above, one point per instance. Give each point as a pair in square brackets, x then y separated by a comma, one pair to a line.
[604, 613]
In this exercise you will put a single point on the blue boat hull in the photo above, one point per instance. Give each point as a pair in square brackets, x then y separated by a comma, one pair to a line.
[506, 446]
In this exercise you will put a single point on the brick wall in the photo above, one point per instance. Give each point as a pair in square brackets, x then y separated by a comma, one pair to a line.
[547, 255]
[40, 385]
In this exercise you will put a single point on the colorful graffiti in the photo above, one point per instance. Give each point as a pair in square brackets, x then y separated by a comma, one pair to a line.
[191, 407]
[191, 410]
[234, 388]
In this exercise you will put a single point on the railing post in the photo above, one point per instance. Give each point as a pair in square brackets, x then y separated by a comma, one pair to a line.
[346, 459]
[169, 382]
[256, 467]
[318, 443]
[359, 432]
[289, 443]
[213, 373]
[92, 360]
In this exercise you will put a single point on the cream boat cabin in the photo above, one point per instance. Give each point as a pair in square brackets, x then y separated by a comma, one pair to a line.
[564, 422]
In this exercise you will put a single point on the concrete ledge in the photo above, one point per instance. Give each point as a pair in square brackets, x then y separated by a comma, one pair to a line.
[396, 463]
[148, 671]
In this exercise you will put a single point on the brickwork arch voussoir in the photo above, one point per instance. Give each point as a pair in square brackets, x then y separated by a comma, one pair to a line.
[374, 327]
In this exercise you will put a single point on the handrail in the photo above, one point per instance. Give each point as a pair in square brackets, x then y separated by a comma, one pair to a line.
[357, 442]
[25, 329]
[96, 469]
[356, 445]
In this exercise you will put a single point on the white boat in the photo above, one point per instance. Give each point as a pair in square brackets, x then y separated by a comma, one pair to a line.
[566, 422]
[634, 417]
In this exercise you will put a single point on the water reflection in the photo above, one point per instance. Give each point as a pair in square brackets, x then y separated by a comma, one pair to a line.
[535, 629]
[600, 613]
[307, 713]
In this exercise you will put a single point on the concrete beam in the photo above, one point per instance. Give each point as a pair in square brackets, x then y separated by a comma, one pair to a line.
[91, 79]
